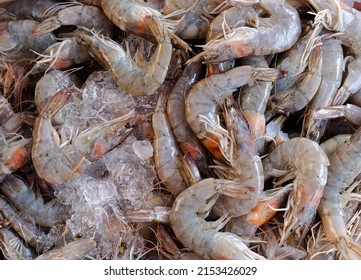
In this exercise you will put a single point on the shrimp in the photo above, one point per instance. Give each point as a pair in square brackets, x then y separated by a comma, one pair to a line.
[16, 35]
[57, 163]
[332, 58]
[24, 199]
[253, 100]
[337, 16]
[75, 250]
[345, 166]
[299, 96]
[27, 230]
[332, 144]
[76, 14]
[166, 150]
[351, 113]
[243, 165]
[187, 216]
[271, 35]
[31, 9]
[139, 77]
[201, 102]
[306, 161]
[13, 247]
[188, 142]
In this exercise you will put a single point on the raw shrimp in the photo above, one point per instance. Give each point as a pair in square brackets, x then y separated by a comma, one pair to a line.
[351, 113]
[305, 160]
[332, 144]
[76, 14]
[31, 9]
[202, 100]
[187, 216]
[296, 98]
[16, 35]
[243, 165]
[24, 199]
[188, 142]
[135, 77]
[58, 163]
[166, 150]
[345, 166]
[253, 100]
[339, 17]
[6, 110]
[27, 230]
[75, 250]
[332, 58]
[270, 35]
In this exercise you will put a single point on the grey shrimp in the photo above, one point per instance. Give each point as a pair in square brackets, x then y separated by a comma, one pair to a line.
[31, 9]
[188, 142]
[24, 199]
[305, 161]
[270, 35]
[57, 163]
[345, 166]
[187, 216]
[203, 98]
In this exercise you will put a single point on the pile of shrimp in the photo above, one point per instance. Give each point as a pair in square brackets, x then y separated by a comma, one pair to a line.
[253, 113]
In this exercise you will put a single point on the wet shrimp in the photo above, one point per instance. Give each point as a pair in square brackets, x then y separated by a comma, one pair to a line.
[31, 9]
[135, 77]
[188, 142]
[332, 57]
[345, 166]
[305, 161]
[332, 144]
[75, 14]
[166, 151]
[270, 35]
[75, 250]
[202, 100]
[187, 216]
[24, 199]
[57, 162]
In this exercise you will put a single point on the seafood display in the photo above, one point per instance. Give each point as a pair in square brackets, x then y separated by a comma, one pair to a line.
[168, 129]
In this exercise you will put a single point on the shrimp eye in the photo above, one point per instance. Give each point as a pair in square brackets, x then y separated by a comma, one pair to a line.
[312, 135]
[275, 100]
[78, 235]
[130, 125]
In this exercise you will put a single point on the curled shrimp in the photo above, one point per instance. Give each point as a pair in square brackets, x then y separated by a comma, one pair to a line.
[306, 161]
[24, 199]
[188, 142]
[135, 77]
[187, 216]
[345, 166]
[57, 163]
[270, 35]
[75, 14]
[203, 98]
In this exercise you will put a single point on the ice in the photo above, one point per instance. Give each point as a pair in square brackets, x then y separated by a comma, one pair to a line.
[143, 149]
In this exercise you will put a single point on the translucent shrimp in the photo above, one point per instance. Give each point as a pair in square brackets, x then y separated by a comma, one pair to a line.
[299, 96]
[166, 151]
[201, 102]
[187, 216]
[75, 250]
[57, 163]
[135, 77]
[24, 199]
[270, 35]
[74, 14]
[188, 142]
[306, 161]
[332, 144]
[31, 9]
[339, 17]
[332, 58]
[345, 166]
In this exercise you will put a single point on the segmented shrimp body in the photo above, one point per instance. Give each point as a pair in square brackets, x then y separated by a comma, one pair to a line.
[24, 199]
[307, 162]
[345, 166]
[270, 35]
[58, 163]
[187, 216]
[203, 98]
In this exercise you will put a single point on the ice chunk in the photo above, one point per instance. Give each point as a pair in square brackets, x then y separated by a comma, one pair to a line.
[143, 149]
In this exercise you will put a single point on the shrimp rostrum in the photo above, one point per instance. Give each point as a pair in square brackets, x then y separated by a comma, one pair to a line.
[57, 162]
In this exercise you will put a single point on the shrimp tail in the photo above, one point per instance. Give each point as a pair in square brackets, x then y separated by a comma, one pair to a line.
[56, 103]
[348, 248]
[46, 26]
